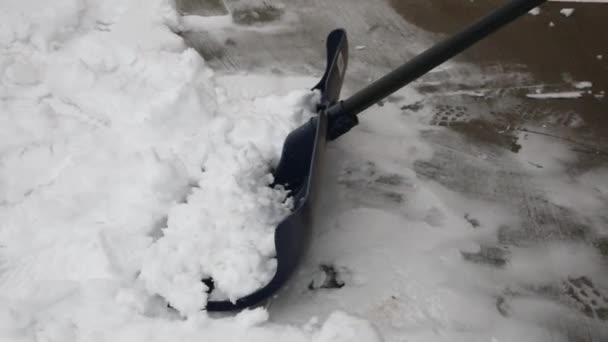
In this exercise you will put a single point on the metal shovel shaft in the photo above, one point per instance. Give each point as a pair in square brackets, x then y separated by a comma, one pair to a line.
[431, 58]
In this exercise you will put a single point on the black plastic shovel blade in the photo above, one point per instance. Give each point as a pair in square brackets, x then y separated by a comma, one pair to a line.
[299, 172]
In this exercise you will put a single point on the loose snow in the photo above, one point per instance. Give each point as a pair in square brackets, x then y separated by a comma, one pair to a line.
[567, 11]
[128, 173]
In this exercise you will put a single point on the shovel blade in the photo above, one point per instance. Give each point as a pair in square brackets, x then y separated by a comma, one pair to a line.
[299, 171]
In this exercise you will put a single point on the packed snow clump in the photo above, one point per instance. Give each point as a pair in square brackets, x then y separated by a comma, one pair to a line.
[566, 11]
[128, 173]
[583, 85]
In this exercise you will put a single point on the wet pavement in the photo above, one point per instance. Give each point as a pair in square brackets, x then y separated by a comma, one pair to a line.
[496, 137]
[555, 52]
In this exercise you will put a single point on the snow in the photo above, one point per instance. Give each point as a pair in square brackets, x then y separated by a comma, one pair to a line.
[566, 11]
[557, 95]
[540, 150]
[127, 325]
[535, 11]
[341, 327]
[583, 85]
[222, 24]
[229, 219]
[128, 173]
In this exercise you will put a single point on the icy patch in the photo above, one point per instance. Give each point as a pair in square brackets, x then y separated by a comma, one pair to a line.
[558, 95]
[587, 194]
[543, 154]
[551, 263]
[583, 85]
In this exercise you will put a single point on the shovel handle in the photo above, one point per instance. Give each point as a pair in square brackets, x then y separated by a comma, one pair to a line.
[431, 58]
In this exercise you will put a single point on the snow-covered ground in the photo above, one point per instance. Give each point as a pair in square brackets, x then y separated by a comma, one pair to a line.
[130, 169]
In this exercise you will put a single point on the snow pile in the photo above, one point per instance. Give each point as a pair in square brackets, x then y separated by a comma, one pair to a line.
[226, 229]
[128, 171]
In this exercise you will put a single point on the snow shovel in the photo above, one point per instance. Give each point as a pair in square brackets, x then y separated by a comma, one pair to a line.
[303, 150]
